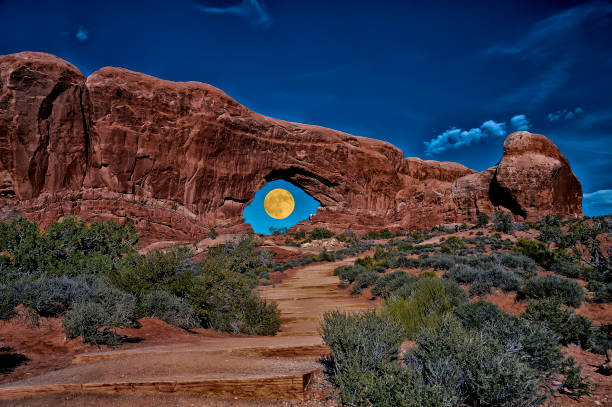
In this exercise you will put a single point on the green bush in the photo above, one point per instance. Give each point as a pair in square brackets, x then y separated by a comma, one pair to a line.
[453, 245]
[536, 342]
[50, 296]
[142, 274]
[522, 265]
[349, 273]
[574, 382]
[70, 247]
[472, 369]
[483, 220]
[8, 302]
[388, 283]
[225, 300]
[364, 363]
[366, 262]
[551, 286]
[570, 327]
[321, 233]
[423, 305]
[169, 308]
[536, 251]
[365, 279]
[478, 314]
[95, 322]
[503, 222]
[601, 292]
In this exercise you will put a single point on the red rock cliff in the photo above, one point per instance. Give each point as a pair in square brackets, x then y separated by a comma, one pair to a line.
[179, 158]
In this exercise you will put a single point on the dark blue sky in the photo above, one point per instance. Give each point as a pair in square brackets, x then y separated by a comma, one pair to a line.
[401, 72]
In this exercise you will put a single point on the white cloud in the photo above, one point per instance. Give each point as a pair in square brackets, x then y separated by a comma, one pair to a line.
[454, 138]
[598, 202]
[520, 122]
[564, 114]
[82, 34]
[251, 10]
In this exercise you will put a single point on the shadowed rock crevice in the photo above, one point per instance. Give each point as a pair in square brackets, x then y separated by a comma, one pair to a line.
[500, 196]
[85, 133]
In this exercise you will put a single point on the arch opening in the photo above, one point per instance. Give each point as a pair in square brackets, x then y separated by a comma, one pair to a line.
[262, 214]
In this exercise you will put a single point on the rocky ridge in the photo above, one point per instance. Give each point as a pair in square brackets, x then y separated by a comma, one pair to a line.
[177, 159]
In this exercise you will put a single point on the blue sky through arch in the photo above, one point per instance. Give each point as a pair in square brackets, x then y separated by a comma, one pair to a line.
[255, 214]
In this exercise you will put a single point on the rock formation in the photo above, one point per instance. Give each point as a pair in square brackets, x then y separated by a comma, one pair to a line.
[179, 158]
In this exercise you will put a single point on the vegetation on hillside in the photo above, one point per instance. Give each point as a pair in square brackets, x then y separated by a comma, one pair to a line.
[92, 277]
[472, 354]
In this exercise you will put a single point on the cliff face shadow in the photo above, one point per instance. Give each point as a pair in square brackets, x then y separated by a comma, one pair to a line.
[9, 360]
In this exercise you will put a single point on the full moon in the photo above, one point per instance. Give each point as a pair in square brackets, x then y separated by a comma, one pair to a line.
[279, 203]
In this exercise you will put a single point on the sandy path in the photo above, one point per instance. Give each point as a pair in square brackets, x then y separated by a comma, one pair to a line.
[266, 367]
[304, 297]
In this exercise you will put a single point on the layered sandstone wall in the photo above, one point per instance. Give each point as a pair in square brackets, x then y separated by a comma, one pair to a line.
[179, 158]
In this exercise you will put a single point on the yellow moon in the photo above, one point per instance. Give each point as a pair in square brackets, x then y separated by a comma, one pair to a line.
[279, 203]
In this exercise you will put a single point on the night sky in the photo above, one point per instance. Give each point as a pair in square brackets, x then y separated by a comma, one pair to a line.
[442, 81]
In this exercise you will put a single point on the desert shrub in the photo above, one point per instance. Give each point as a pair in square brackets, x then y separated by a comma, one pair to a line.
[455, 293]
[472, 369]
[503, 222]
[522, 265]
[326, 255]
[142, 274]
[533, 339]
[405, 262]
[568, 267]
[95, 322]
[388, 283]
[50, 296]
[551, 286]
[574, 383]
[570, 327]
[366, 262]
[321, 233]
[463, 273]
[99, 313]
[422, 305]
[483, 279]
[536, 251]
[70, 247]
[225, 300]
[478, 314]
[601, 339]
[380, 269]
[349, 273]
[8, 301]
[482, 220]
[366, 279]
[453, 245]
[212, 233]
[480, 288]
[169, 308]
[365, 341]
[601, 292]
[439, 261]
[364, 364]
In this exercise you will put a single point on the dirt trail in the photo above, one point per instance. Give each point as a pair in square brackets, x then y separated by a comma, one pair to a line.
[308, 294]
[279, 367]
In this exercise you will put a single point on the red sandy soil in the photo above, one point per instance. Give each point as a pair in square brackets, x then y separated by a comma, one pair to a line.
[601, 394]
